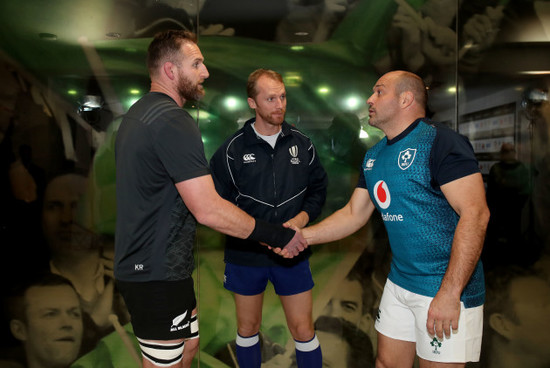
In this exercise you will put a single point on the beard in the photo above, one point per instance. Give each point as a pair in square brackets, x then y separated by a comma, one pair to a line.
[271, 119]
[189, 91]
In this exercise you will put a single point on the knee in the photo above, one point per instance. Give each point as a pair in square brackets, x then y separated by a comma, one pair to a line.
[247, 330]
[191, 347]
[192, 343]
[302, 332]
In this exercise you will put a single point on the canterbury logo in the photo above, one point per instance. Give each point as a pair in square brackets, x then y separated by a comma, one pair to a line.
[249, 157]
[370, 164]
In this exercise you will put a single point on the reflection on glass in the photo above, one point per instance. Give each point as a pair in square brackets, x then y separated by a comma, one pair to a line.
[485, 64]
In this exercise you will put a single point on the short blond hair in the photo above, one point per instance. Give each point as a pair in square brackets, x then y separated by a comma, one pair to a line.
[257, 74]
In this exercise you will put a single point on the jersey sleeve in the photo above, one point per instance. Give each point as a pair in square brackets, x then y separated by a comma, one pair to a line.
[452, 157]
[179, 147]
[361, 183]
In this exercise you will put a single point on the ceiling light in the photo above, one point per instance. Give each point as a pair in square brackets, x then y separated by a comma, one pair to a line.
[231, 103]
[352, 102]
[323, 90]
[535, 72]
[292, 79]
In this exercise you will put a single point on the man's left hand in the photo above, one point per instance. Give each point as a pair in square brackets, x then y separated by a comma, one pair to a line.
[443, 315]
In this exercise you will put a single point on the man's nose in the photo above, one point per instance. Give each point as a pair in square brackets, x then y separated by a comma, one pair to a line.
[204, 72]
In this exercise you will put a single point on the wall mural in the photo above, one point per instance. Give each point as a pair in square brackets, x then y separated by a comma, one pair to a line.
[62, 103]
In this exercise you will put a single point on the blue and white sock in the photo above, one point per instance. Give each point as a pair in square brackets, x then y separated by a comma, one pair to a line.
[308, 353]
[249, 354]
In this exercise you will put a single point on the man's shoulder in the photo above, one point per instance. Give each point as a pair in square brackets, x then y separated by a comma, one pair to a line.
[154, 106]
[236, 139]
[289, 129]
[444, 131]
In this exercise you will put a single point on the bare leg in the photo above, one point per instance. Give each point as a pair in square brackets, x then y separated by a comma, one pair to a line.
[394, 353]
[298, 315]
[249, 313]
[190, 349]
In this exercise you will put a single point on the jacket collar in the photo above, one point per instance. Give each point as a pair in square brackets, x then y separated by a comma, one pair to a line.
[251, 137]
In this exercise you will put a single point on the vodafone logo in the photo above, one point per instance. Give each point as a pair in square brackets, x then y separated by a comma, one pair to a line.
[383, 198]
[382, 194]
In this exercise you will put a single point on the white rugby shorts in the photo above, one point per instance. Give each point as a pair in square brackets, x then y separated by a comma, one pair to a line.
[402, 315]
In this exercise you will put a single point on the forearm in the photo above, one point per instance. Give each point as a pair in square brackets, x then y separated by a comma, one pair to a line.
[466, 250]
[223, 216]
[213, 211]
[300, 220]
[342, 223]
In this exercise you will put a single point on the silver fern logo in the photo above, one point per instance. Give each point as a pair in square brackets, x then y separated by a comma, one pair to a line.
[294, 155]
[176, 322]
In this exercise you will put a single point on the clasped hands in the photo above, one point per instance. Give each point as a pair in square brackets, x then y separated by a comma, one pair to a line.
[296, 245]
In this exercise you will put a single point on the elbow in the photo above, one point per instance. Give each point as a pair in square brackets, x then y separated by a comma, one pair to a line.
[204, 216]
[210, 212]
[484, 216]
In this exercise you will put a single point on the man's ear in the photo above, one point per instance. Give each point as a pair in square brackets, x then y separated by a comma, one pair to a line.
[502, 325]
[406, 99]
[168, 69]
[251, 103]
[18, 329]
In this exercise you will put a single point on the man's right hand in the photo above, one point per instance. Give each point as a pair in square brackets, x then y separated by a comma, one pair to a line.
[294, 246]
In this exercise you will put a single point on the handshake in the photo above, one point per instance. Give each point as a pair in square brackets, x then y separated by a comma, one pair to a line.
[285, 240]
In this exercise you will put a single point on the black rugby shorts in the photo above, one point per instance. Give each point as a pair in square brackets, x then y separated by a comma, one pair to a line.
[160, 310]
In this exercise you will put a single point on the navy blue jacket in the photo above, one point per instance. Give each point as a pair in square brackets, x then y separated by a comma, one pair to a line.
[271, 184]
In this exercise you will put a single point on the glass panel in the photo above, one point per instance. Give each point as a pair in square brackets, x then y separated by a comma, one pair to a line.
[70, 69]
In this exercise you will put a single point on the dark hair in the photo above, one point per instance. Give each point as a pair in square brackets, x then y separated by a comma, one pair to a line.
[15, 301]
[360, 354]
[165, 47]
[255, 75]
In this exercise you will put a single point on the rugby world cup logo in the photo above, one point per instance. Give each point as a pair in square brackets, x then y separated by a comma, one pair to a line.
[294, 155]
[382, 194]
